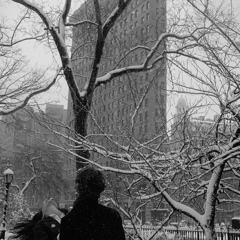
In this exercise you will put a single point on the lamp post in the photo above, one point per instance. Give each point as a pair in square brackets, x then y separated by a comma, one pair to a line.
[8, 177]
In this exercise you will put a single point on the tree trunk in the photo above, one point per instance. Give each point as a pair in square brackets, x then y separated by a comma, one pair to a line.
[210, 234]
[80, 125]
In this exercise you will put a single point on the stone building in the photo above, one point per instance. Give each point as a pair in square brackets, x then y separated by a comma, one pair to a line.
[113, 104]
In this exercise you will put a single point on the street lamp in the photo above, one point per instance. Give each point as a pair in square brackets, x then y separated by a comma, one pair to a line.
[8, 177]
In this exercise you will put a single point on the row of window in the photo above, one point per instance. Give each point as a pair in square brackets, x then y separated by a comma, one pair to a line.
[159, 100]
[144, 7]
[84, 67]
[70, 172]
[137, 34]
[124, 114]
[69, 162]
[142, 129]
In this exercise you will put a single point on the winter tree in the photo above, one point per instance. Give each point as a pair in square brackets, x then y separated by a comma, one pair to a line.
[19, 80]
[202, 55]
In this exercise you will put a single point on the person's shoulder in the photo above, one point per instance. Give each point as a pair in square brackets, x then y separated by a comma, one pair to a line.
[48, 221]
[110, 210]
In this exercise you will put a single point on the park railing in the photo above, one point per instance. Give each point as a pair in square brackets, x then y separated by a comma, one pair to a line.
[181, 234]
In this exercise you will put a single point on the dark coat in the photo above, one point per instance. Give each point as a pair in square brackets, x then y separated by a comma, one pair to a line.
[90, 220]
[46, 229]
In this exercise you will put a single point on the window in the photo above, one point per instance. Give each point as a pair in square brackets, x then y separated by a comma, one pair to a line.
[162, 99]
[146, 102]
[145, 128]
[146, 76]
[136, 13]
[147, 16]
[147, 6]
[148, 29]
[131, 16]
[136, 57]
[146, 115]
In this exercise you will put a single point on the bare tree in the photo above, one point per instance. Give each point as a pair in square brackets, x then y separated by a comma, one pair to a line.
[18, 81]
[201, 46]
[40, 174]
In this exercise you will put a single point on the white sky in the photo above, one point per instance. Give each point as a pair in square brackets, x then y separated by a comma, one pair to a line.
[39, 55]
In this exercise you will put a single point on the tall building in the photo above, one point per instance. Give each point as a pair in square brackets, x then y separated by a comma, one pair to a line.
[114, 103]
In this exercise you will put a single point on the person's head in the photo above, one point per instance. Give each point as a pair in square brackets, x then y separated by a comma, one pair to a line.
[90, 181]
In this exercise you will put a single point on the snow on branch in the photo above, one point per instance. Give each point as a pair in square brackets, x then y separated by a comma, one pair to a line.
[111, 19]
[183, 208]
[63, 18]
[27, 183]
[75, 24]
[66, 10]
[25, 101]
[137, 68]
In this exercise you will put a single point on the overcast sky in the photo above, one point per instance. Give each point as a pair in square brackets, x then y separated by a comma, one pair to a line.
[40, 56]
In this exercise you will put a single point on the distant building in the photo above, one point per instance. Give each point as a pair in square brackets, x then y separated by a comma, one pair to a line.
[16, 130]
[26, 129]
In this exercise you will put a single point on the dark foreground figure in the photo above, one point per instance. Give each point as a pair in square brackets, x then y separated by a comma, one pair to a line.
[88, 219]
[45, 224]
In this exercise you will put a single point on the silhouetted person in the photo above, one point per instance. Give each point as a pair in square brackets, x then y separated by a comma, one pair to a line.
[88, 219]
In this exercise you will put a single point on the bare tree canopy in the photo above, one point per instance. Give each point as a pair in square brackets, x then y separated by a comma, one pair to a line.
[192, 169]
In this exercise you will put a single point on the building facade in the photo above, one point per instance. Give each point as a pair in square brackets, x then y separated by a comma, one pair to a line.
[114, 103]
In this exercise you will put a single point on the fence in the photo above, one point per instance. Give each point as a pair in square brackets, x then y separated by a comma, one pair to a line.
[182, 234]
